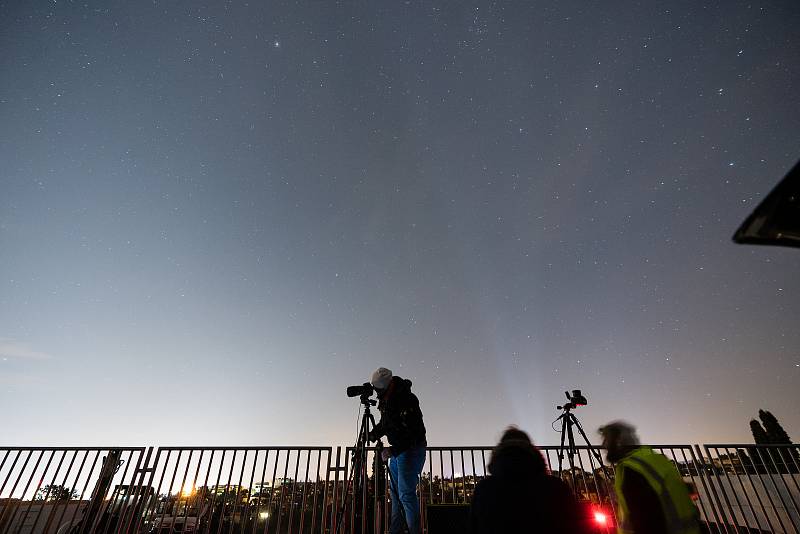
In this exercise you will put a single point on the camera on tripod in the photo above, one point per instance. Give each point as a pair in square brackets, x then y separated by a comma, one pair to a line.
[359, 478]
[575, 399]
[568, 421]
[364, 391]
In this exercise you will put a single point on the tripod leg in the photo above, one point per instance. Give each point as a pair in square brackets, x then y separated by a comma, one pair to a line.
[379, 475]
[561, 447]
[355, 480]
[593, 450]
[608, 489]
[571, 448]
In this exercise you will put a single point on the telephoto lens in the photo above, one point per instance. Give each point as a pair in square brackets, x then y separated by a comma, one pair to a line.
[364, 389]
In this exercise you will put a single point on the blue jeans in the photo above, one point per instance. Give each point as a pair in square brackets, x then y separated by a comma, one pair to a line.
[405, 469]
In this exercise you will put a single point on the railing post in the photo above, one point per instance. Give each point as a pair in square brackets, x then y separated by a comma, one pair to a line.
[335, 502]
[139, 497]
[105, 478]
[708, 485]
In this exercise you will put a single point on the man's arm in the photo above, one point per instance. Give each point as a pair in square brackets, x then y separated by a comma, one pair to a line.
[377, 431]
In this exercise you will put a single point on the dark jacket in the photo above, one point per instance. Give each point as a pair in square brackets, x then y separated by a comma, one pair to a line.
[520, 497]
[401, 418]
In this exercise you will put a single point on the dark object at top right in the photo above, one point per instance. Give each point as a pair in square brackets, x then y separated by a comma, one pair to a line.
[776, 221]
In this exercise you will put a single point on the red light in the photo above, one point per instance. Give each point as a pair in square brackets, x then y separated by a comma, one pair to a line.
[600, 518]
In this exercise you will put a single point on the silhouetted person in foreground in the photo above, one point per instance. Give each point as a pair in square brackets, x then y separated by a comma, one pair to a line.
[521, 496]
[401, 423]
[652, 498]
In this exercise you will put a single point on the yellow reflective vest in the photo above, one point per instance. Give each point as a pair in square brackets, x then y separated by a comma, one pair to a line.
[679, 511]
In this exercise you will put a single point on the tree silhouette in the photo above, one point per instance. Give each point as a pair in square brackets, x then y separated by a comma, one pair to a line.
[55, 492]
[783, 460]
[775, 431]
[759, 434]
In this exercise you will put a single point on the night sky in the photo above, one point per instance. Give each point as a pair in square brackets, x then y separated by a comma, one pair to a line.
[214, 218]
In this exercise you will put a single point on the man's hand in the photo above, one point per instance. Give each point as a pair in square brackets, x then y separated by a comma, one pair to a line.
[374, 435]
[386, 454]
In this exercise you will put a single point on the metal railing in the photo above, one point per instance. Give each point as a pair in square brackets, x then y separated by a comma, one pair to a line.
[756, 486]
[48, 489]
[240, 489]
[304, 490]
[450, 474]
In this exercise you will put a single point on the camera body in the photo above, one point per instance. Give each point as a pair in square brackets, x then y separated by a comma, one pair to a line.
[575, 399]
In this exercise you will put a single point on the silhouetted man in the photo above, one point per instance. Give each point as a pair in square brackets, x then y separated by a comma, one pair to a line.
[652, 498]
[401, 423]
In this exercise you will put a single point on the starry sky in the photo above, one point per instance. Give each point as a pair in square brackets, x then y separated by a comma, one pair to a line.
[215, 216]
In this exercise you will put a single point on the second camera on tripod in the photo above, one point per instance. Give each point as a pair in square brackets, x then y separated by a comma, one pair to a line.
[575, 399]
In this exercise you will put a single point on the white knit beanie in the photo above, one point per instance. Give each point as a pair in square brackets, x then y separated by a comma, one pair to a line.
[381, 378]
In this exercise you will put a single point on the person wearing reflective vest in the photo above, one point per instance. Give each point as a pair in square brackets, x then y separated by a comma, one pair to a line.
[652, 498]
